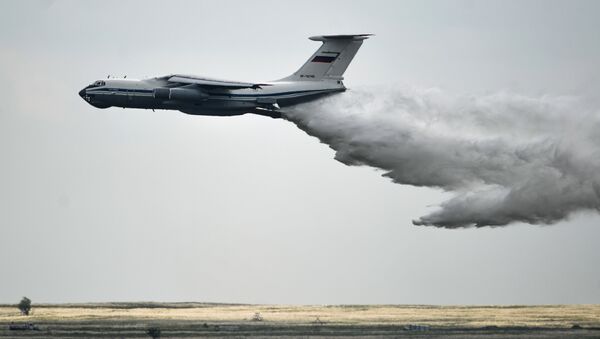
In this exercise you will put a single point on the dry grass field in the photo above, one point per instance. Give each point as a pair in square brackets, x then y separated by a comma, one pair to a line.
[125, 320]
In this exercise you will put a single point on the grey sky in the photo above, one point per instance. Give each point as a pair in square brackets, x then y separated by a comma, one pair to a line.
[139, 205]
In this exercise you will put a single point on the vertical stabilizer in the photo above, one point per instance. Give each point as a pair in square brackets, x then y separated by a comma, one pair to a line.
[330, 61]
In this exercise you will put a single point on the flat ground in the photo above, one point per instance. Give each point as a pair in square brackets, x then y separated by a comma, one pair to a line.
[126, 320]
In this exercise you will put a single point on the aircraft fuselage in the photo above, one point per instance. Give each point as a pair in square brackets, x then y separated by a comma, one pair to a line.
[157, 93]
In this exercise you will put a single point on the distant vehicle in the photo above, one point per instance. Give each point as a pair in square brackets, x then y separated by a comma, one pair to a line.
[418, 328]
[23, 327]
[321, 75]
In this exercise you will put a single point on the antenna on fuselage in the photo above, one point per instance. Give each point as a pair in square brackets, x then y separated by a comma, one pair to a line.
[108, 76]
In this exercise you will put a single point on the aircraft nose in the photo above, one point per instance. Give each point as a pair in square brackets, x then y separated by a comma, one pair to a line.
[82, 93]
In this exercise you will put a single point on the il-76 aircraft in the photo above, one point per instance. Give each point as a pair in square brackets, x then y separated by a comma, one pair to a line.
[321, 75]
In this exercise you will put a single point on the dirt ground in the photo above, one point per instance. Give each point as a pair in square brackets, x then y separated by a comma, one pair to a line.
[179, 320]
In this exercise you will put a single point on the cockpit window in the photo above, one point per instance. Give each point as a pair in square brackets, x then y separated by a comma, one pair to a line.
[99, 83]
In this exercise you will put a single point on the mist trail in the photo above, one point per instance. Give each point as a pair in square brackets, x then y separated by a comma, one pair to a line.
[506, 157]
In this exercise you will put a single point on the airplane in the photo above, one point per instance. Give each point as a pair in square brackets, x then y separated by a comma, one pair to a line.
[321, 75]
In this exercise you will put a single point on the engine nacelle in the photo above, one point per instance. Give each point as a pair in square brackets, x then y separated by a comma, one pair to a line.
[180, 94]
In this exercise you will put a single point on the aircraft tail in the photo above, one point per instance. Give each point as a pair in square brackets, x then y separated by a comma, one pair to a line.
[330, 61]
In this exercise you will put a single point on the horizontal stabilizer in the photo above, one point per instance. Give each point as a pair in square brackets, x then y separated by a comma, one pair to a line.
[340, 37]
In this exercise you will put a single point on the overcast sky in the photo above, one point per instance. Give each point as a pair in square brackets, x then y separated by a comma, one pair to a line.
[128, 205]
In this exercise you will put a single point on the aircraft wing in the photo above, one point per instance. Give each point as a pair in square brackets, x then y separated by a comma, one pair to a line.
[212, 83]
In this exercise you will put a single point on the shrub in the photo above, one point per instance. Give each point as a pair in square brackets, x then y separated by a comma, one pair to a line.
[153, 332]
[257, 317]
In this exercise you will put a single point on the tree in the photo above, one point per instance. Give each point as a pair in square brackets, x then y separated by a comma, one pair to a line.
[153, 332]
[25, 306]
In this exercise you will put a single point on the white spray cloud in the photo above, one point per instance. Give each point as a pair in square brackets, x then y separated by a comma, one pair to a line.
[506, 157]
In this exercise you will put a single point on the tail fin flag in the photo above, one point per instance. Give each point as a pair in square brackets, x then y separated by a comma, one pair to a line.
[331, 60]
